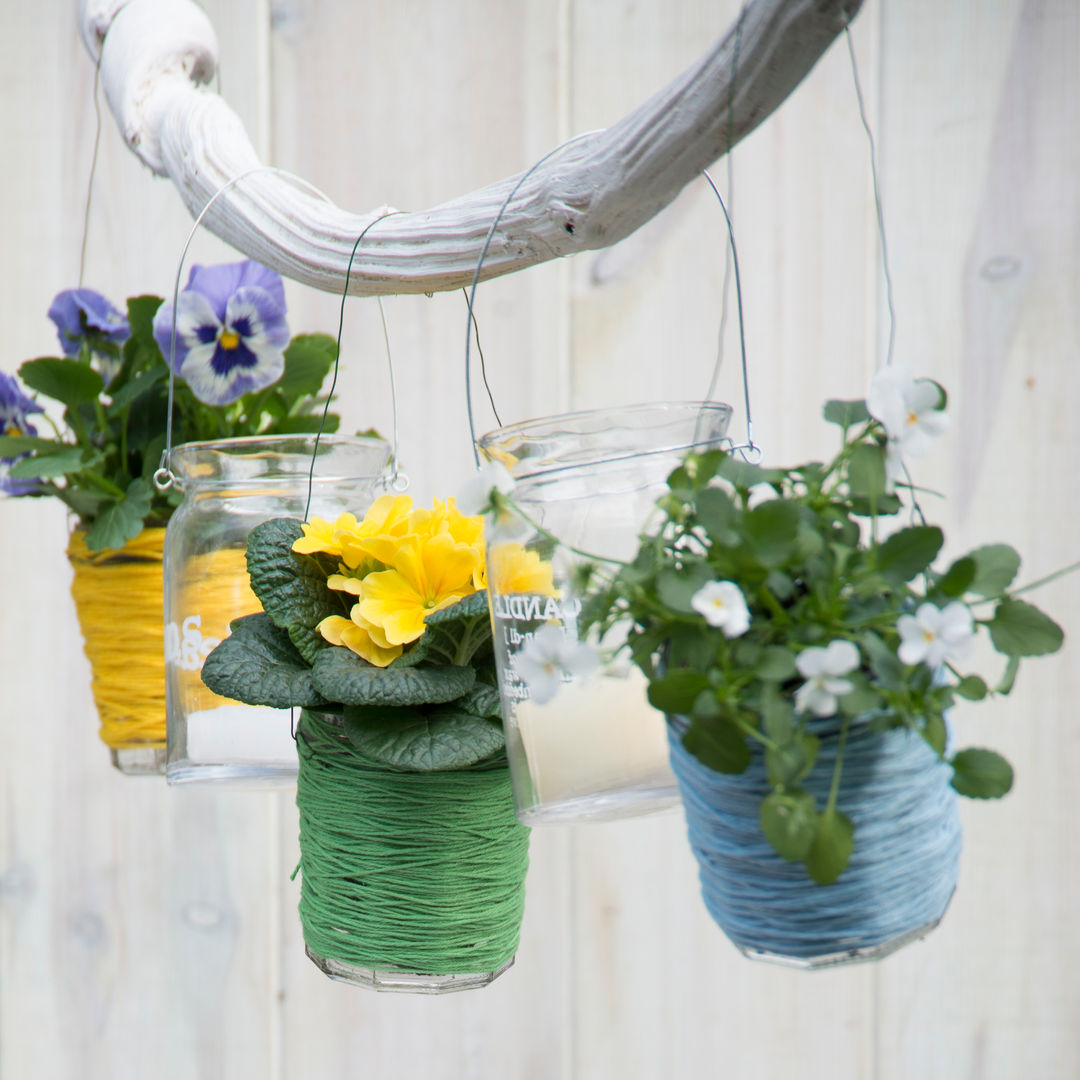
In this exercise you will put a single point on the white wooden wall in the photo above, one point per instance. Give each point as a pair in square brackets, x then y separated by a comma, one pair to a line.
[147, 932]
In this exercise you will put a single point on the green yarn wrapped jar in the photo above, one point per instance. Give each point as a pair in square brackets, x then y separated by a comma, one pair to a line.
[412, 881]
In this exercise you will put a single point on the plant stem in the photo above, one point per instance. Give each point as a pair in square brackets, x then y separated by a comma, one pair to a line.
[834, 787]
[1046, 580]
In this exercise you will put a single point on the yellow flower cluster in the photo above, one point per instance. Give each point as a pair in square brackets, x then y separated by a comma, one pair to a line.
[403, 564]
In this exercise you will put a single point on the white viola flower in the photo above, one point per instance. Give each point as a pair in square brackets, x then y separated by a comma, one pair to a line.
[822, 669]
[908, 410]
[549, 658]
[722, 604]
[476, 495]
[933, 635]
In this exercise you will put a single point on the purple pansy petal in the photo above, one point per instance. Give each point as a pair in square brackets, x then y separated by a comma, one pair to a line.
[219, 283]
[196, 326]
[15, 406]
[100, 315]
[16, 487]
[256, 316]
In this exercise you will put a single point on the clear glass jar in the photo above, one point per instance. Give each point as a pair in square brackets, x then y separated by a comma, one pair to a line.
[230, 486]
[586, 745]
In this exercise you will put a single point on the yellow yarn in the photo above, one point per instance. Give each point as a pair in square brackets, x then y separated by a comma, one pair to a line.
[118, 598]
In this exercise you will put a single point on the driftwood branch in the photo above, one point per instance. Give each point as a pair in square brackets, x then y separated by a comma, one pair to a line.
[158, 55]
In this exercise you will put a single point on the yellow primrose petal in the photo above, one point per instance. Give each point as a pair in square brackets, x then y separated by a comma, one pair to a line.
[359, 641]
[332, 627]
[375, 631]
[449, 567]
[517, 570]
[346, 583]
[393, 604]
[321, 535]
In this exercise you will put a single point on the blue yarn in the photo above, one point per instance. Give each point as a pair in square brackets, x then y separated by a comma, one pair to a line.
[901, 875]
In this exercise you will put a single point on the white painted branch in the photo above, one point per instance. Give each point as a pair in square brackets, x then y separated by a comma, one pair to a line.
[157, 54]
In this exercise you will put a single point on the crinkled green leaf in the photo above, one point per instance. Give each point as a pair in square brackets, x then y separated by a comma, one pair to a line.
[981, 774]
[1021, 629]
[909, 552]
[342, 676]
[423, 740]
[461, 633]
[831, 849]
[996, 565]
[291, 588]
[789, 822]
[720, 746]
[121, 520]
[258, 664]
[69, 381]
[481, 700]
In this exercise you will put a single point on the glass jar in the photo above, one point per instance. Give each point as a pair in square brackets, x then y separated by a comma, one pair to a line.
[582, 740]
[229, 487]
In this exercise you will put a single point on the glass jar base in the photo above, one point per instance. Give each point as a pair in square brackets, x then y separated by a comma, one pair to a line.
[261, 777]
[600, 807]
[841, 957]
[146, 760]
[406, 982]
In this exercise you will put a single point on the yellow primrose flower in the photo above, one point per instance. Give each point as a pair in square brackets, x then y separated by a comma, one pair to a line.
[425, 576]
[388, 516]
[515, 569]
[360, 637]
[320, 535]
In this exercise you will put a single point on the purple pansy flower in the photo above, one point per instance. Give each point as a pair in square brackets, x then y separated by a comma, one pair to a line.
[15, 407]
[230, 331]
[75, 311]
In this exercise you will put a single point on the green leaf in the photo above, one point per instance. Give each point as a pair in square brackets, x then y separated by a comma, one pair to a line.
[308, 360]
[789, 763]
[341, 676]
[863, 696]
[909, 552]
[958, 578]
[719, 746]
[777, 714]
[833, 844]
[307, 425]
[258, 664]
[981, 774]
[674, 693]
[744, 475]
[144, 382]
[676, 588]
[881, 506]
[481, 700]
[789, 822]
[996, 565]
[845, 413]
[884, 662]
[776, 664]
[423, 740]
[12, 446]
[1021, 629]
[291, 588]
[43, 466]
[460, 633]
[866, 471]
[717, 514]
[141, 311]
[972, 687]
[67, 381]
[121, 520]
[1008, 679]
[770, 528]
[935, 733]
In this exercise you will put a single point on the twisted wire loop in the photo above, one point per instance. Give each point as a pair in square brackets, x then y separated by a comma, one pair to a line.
[902, 873]
[404, 871]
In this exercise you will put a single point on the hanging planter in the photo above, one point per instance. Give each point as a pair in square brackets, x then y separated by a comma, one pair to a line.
[117, 598]
[582, 741]
[229, 487]
[237, 373]
[807, 651]
[413, 862]
[411, 880]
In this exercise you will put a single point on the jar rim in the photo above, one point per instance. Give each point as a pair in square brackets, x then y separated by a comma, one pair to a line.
[547, 432]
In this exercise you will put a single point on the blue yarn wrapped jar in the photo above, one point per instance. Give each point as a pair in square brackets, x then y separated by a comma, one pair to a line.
[902, 873]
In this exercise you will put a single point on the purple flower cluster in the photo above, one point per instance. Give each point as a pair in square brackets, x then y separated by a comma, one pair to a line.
[15, 410]
[83, 315]
[230, 331]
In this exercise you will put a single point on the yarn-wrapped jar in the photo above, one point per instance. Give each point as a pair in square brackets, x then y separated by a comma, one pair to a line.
[411, 881]
[902, 873]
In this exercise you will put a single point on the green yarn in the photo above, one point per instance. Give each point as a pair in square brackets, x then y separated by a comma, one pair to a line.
[405, 871]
